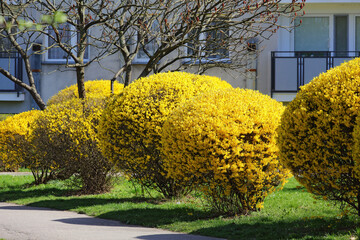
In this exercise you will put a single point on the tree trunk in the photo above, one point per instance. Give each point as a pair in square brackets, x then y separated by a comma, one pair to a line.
[80, 78]
[127, 76]
[37, 98]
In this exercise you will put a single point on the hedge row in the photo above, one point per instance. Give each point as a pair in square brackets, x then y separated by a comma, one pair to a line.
[174, 132]
[177, 132]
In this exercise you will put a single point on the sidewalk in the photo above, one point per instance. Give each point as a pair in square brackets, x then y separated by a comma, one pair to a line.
[32, 223]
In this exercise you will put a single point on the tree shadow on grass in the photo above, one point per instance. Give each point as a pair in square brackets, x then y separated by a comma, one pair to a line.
[18, 194]
[269, 230]
[158, 215]
[260, 228]
[69, 201]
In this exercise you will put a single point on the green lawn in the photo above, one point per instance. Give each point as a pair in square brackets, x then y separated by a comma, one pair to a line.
[288, 214]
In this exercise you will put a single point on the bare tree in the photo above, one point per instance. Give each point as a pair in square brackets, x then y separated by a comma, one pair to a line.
[176, 35]
[167, 35]
[18, 40]
[69, 40]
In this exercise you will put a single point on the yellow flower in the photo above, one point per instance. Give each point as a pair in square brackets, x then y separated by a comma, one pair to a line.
[95, 88]
[224, 142]
[131, 126]
[318, 134]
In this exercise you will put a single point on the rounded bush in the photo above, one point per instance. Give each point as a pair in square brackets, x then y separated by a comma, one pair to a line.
[66, 140]
[130, 128]
[15, 149]
[93, 89]
[225, 142]
[315, 136]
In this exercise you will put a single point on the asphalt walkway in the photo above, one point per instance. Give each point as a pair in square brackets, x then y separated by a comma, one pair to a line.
[33, 223]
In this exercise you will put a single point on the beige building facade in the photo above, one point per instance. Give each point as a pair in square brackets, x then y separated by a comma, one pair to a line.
[328, 35]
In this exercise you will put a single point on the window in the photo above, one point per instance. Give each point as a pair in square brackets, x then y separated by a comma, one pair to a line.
[357, 33]
[69, 37]
[6, 48]
[341, 28]
[149, 44]
[312, 34]
[10, 61]
[333, 32]
[4, 44]
[216, 45]
[212, 44]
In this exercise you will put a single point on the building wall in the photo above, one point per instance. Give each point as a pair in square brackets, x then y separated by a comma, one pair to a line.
[57, 77]
[264, 64]
[16, 106]
[284, 39]
[13, 102]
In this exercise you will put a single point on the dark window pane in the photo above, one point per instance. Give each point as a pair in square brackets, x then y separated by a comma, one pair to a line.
[341, 33]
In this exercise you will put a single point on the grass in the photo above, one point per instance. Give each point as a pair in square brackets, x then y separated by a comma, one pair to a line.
[288, 214]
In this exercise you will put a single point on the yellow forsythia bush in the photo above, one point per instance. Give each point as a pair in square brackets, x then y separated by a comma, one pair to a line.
[225, 143]
[65, 136]
[93, 89]
[315, 137]
[130, 128]
[356, 151]
[15, 148]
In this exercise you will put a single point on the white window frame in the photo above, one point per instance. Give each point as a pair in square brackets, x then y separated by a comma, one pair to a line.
[74, 39]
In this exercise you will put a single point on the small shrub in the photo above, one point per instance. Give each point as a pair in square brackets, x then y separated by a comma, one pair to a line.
[93, 89]
[224, 142]
[130, 128]
[315, 136]
[15, 149]
[66, 141]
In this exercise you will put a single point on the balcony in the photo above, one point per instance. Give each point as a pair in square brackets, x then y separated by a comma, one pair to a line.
[291, 70]
[9, 91]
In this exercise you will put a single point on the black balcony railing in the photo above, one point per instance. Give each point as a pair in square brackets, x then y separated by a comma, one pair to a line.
[290, 70]
[12, 62]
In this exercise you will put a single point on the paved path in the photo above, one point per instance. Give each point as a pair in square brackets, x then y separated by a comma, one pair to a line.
[32, 223]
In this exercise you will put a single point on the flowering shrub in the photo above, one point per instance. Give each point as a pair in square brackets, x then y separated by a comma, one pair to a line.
[15, 149]
[315, 136]
[93, 89]
[130, 128]
[356, 147]
[224, 142]
[66, 140]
